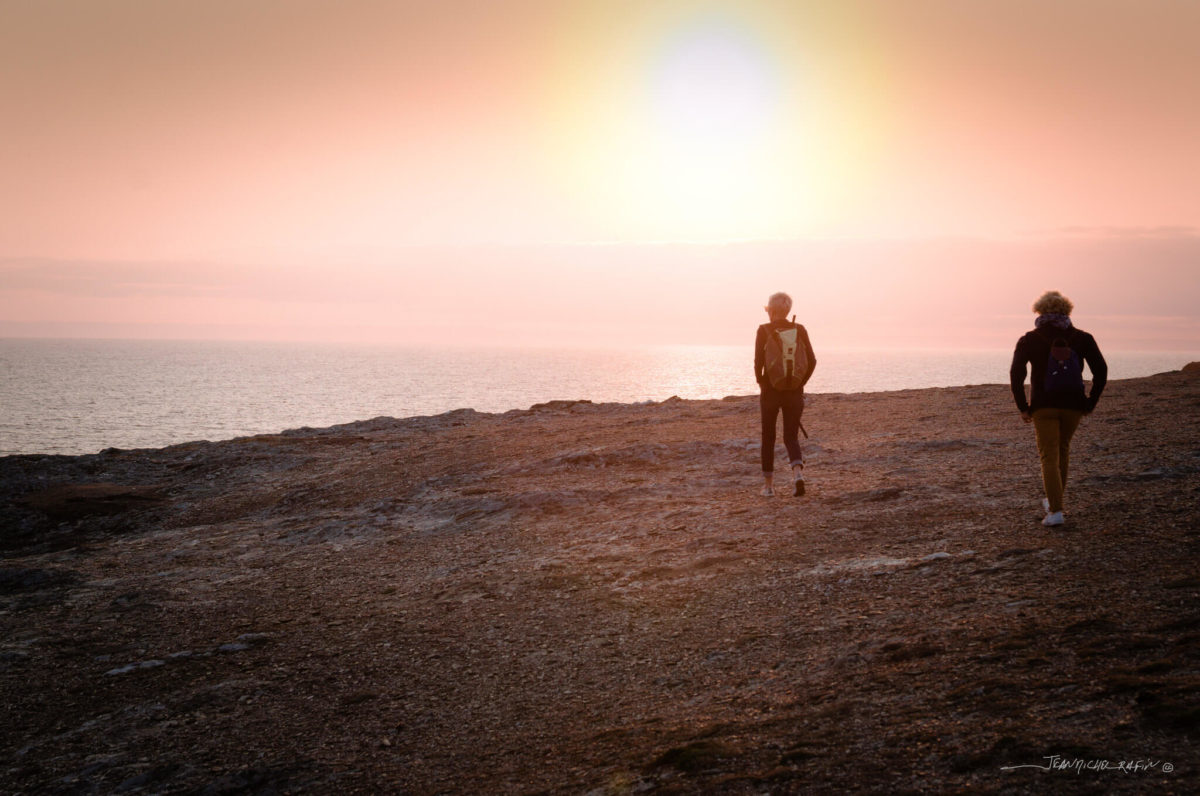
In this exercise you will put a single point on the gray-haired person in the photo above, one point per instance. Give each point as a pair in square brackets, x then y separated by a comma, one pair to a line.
[783, 363]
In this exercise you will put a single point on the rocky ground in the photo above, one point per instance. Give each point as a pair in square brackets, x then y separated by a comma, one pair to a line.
[583, 598]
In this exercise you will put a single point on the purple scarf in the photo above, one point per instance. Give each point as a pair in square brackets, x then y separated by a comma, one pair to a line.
[1055, 319]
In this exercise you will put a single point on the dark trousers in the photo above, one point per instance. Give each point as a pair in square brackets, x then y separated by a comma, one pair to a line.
[791, 403]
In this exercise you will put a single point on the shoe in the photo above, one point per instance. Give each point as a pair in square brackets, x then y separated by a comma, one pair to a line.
[767, 492]
[799, 487]
[1054, 518]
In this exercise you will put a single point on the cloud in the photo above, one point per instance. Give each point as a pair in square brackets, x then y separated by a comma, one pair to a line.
[920, 292]
[119, 278]
[1161, 232]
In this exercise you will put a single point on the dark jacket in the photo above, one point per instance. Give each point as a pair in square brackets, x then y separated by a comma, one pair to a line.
[1033, 349]
[760, 352]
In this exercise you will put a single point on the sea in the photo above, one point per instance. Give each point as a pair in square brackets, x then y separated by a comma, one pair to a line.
[81, 396]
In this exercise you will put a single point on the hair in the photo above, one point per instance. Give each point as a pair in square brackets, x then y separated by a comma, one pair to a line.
[779, 304]
[1053, 302]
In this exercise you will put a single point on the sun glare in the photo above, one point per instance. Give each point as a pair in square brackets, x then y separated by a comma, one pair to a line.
[713, 91]
[689, 131]
[708, 127]
[707, 114]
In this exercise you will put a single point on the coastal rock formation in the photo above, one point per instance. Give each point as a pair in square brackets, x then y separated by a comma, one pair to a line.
[593, 598]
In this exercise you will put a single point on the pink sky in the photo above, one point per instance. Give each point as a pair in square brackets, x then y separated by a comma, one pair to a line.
[594, 172]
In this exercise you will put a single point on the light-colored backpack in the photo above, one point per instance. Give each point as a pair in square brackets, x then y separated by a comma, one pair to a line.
[786, 358]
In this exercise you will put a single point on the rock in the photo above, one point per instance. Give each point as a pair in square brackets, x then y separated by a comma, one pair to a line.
[257, 779]
[73, 501]
[870, 495]
[938, 444]
[1156, 473]
[546, 501]
[1192, 368]
[553, 406]
[253, 638]
[693, 757]
[133, 667]
[608, 588]
[16, 580]
[643, 454]
[877, 565]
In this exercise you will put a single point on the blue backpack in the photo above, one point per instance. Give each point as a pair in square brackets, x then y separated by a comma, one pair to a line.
[1064, 369]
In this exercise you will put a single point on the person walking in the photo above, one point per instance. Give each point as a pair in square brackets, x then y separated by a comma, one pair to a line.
[1056, 351]
[783, 363]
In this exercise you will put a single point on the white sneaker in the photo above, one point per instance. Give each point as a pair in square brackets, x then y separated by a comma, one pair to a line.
[1054, 518]
[767, 492]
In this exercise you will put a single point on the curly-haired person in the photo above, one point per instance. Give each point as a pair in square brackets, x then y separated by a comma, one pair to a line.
[1056, 351]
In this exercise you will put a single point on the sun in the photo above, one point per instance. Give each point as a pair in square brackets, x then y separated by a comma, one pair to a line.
[712, 92]
[704, 126]
[688, 135]
[704, 130]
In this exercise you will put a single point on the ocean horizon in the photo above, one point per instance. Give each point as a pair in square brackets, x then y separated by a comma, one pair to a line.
[76, 396]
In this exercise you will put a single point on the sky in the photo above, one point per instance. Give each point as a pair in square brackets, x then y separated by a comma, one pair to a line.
[914, 172]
